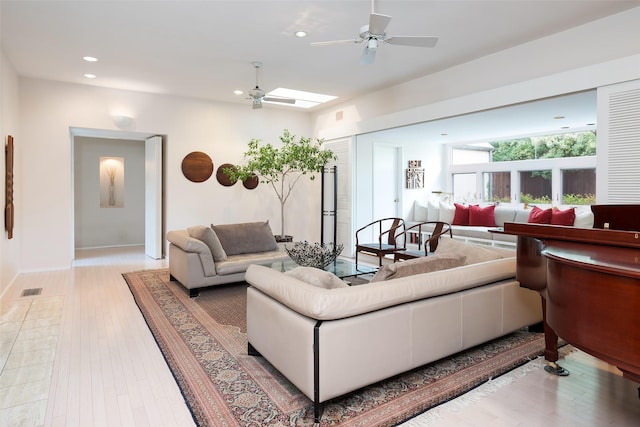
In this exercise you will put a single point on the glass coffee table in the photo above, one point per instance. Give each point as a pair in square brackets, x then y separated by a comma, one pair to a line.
[340, 267]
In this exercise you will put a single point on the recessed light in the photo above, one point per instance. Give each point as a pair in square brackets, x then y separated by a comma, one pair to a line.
[301, 34]
[90, 58]
[90, 76]
[559, 117]
[238, 92]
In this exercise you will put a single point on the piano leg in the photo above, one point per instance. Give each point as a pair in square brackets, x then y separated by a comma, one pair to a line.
[551, 346]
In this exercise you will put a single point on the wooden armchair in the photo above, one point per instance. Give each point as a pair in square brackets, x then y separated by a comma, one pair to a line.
[430, 245]
[386, 230]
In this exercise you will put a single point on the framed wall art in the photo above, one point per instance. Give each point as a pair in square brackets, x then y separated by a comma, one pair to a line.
[414, 174]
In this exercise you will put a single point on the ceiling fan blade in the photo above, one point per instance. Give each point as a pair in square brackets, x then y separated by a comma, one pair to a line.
[368, 56]
[378, 23]
[417, 41]
[333, 42]
[280, 100]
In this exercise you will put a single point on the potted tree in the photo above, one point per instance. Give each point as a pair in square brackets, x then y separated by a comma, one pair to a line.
[282, 167]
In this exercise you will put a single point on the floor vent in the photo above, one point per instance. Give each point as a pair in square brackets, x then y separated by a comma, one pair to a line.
[31, 292]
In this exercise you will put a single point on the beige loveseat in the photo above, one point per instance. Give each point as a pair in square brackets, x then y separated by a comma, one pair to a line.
[202, 256]
[329, 338]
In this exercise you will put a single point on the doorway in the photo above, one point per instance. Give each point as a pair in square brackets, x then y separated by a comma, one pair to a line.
[134, 217]
[386, 182]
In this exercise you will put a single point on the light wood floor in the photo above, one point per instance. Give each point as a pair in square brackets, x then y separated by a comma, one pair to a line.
[80, 354]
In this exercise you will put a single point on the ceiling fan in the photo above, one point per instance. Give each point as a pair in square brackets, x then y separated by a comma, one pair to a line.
[374, 33]
[258, 95]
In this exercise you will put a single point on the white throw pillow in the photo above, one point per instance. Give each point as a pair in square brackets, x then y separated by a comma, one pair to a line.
[316, 277]
[447, 212]
[473, 253]
[434, 212]
[420, 212]
[584, 217]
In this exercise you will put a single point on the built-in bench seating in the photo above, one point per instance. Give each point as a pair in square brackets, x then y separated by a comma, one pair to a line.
[474, 226]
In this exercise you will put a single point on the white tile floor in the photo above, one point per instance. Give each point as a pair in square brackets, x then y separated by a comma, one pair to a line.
[29, 330]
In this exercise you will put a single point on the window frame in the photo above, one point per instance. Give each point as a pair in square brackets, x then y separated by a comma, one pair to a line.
[556, 165]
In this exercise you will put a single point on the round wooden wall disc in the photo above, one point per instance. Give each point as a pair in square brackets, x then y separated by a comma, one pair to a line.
[222, 177]
[197, 166]
[251, 182]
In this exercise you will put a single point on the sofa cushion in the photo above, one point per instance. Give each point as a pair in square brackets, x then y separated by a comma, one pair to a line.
[316, 277]
[447, 212]
[506, 213]
[563, 217]
[474, 254]
[246, 238]
[461, 216]
[420, 212]
[426, 264]
[239, 263]
[208, 236]
[584, 217]
[434, 213]
[540, 216]
[483, 216]
[522, 216]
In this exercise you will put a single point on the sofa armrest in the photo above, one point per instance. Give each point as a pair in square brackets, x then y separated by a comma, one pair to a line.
[188, 244]
[181, 239]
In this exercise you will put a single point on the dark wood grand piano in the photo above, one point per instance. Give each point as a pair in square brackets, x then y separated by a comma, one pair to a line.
[589, 281]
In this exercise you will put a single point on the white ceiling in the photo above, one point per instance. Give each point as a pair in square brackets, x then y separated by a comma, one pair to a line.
[204, 49]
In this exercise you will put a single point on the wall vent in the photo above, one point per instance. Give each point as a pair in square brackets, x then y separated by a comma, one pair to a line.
[31, 292]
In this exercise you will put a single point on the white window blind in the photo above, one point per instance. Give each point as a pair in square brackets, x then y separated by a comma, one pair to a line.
[623, 139]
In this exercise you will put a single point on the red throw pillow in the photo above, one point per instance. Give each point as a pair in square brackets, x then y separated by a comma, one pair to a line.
[461, 216]
[540, 216]
[482, 216]
[565, 217]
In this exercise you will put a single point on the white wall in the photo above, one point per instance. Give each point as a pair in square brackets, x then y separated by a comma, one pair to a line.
[49, 109]
[9, 121]
[97, 226]
[600, 53]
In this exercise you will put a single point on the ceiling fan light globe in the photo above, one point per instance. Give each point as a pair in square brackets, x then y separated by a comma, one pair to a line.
[372, 44]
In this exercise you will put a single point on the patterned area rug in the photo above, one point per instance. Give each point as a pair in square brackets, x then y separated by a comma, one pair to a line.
[205, 344]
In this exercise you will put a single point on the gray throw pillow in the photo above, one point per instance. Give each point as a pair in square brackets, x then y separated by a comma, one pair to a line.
[246, 238]
[418, 266]
[316, 277]
[207, 235]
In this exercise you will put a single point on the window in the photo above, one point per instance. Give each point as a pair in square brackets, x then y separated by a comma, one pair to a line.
[496, 186]
[577, 144]
[552, 169]
[579, 186]
[464, 187]
[535, 186]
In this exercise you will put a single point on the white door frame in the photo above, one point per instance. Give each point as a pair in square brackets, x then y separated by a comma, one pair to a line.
[156, 203]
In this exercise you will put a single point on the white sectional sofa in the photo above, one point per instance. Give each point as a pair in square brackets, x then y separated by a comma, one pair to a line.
[504, 212]
[202, 256]
[329, 338]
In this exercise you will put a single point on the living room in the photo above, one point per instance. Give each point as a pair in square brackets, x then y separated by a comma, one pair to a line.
[42, 115]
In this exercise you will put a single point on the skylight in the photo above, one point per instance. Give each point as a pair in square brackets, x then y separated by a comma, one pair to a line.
[303, 99]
